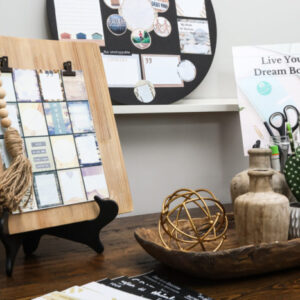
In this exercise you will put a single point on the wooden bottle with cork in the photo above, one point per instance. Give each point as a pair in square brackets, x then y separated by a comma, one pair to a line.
[261, 215]
[259, 159]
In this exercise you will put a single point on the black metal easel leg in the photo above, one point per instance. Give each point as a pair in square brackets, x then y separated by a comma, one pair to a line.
[12, 246]
[11, 243]
[78, 231]
[86, 232]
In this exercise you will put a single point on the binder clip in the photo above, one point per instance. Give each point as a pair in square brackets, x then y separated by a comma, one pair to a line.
[4, 65]
[68, 69]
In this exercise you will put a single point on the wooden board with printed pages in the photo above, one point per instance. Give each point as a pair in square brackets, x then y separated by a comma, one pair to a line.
[36, 55]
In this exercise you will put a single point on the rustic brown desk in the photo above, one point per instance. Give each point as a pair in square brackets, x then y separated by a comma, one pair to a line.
[59, 264]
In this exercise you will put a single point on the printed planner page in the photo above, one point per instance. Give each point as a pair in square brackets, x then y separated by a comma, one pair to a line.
[77, 21]
[52, 114]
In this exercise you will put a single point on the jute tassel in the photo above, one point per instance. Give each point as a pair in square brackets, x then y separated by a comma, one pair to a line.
[16, 180]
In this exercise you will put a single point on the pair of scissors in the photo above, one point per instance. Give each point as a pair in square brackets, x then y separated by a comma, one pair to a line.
[278, 120]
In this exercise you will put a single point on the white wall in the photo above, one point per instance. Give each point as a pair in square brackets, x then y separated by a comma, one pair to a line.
[166, 152]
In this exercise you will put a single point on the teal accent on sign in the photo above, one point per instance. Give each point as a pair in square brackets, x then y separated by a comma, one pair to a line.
[264, 88]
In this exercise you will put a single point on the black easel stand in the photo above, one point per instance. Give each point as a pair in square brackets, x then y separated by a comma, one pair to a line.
[86, 232]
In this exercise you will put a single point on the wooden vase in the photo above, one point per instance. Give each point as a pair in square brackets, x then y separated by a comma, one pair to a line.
[261, 215]
[259, 159]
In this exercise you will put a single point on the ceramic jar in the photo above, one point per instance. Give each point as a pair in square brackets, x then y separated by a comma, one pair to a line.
[259, 159]
[261, 215]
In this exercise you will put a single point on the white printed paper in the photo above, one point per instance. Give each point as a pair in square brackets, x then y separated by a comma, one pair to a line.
[87, 149]
[71, 186]
[77, 19]
[138, 14]
[161, 70]
[122, 70]
[7, 84]
[111, 292]
[191, 8]
[267, 80]
[47, 196]
[51, 86]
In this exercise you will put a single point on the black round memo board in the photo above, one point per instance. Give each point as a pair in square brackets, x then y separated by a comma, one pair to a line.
[170, 46]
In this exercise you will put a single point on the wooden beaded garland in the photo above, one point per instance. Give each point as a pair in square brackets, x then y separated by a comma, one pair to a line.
[16, 180]
[2, 103]
[3, 113]
[6, 122]
[2, 93]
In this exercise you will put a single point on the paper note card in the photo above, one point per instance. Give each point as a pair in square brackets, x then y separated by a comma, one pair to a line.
[26, 85]
[47, 190]
[75, 88]
[191, 8]
[51, 85]
[77, 19]
[58, 119]
[33, 119]
[162, 70]
[194, 36]
[8, 85]
[64, 151]
[122, 70]
[81, 117]
[95, 182]
[40, 154]
[71, 185]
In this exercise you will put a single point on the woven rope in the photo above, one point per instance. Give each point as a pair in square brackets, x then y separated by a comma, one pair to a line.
[16, 180]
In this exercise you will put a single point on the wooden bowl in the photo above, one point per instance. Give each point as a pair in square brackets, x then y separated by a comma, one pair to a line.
[230, 262]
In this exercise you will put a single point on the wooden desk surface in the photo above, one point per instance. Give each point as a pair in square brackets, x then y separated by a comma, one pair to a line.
[59, 264]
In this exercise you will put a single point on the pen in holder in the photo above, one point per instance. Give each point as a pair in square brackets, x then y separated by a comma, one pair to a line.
[283, 143]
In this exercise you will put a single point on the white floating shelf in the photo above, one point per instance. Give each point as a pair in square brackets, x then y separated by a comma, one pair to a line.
[182, 106]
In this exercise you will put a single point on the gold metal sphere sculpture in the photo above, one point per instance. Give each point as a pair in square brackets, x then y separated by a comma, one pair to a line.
[178, 230]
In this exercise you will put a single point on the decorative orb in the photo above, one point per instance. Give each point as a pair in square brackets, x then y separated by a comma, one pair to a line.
[179, 229]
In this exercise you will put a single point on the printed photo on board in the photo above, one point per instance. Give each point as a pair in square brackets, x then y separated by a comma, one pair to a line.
[162, 27]
[194, 36]
[116, 24]
[141, 39]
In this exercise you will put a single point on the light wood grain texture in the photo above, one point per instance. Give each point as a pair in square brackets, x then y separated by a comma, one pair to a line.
[232, 261]
[44, 54]
[261, 216]
[59, 264]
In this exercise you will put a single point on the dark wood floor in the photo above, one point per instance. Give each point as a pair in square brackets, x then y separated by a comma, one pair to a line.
[59, 264]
